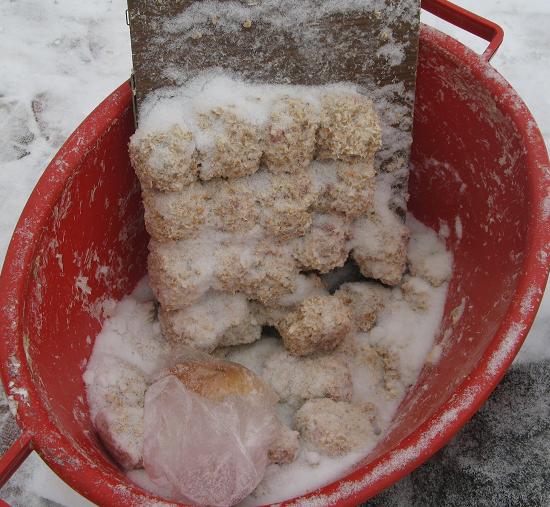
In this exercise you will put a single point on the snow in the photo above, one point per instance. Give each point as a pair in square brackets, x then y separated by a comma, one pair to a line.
[230, 16]
[65, 57]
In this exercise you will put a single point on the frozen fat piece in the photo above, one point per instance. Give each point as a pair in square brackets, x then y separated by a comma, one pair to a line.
[264, 272]
[120, 387]
[416, 292]
[375, 365]
[284, 449]
[219, 413]
[121, 431]
[235, 145]
[164, 160]
[344, 188]
[349, 128]
[393, 381]
[325, 246]
[291, 132]
[246, 331]
[306, 286]
[176, 216]
[333, 427]
[279, 202]
[179, 272]
[318, 324]
[234, 205]
[365, 300]
[380, 246]
[216, 319]
[285, 200]
[297, 379]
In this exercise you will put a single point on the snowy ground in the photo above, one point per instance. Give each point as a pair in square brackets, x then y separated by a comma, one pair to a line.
[59, 58]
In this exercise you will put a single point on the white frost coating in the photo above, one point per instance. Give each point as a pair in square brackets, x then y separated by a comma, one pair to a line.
[394, 53]
[203, 323]
[306, 286]
[13, 405]
[426, 254]
[21, 392]
[97, 28]
[458, 227]
[409, 333]
[81, 284]
[230, 16]
[59, 258]
[506, 348]
[213, 89]
[527, 301]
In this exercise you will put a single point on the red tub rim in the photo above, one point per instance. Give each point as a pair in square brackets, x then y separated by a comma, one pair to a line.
[76, 468]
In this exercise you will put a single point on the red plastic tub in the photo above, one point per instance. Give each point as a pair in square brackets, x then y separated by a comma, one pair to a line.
[477, 155]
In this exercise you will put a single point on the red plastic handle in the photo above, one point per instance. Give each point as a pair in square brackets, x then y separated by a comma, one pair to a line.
[13, 457]
[487, 30]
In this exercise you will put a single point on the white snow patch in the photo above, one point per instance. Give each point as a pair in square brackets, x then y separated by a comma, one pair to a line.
[81, 284]
[458, 227]
[527, 301]
[505, 349]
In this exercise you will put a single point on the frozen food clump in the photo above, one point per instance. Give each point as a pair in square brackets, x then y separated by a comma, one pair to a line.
[416, 292]
[335, 427]
[217, 319]
[248, 330]
[291, 133]
[365, 300]
[306, 286]
[318, 324]
[119, 421]
[262, 271]
[325, 246]
[121, 432]
[234, 147]
[349, 128]
[118, 382]
[344, 188]
[176, 216]
[221, 415]
[233, 204]
[179, 272]
[296, 379]
[380, 246]
[164, 160]
[285, 447]
[285, 200]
